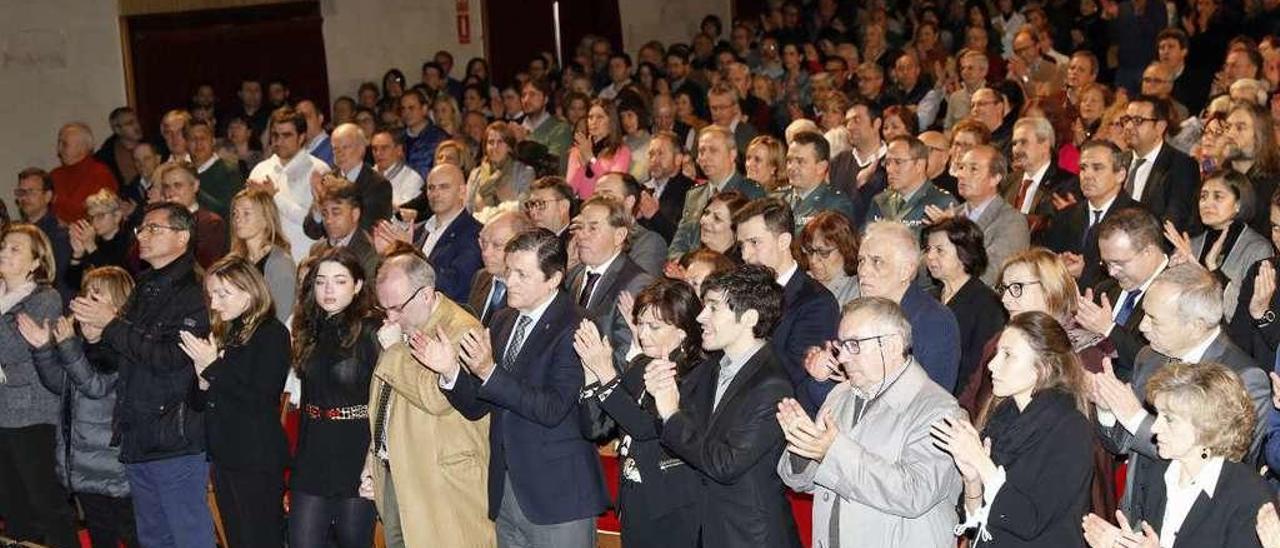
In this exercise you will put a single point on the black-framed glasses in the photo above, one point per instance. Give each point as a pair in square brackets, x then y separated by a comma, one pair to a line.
[400, 307]
[151, 229]
[1014, 289]
[819, 252]
[539, 205]
[854, 346]
[1135, 120]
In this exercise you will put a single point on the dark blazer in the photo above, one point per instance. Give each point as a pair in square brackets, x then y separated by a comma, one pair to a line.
[622, 275]
[1127, 339]
[810, 315]
[1069, 231]
[657, 510]
[844, 177]
[980, 316]
[375, 202]
[241, 406]
[670, 206]
[535, 434]
[211, 237]
[1259, 342]
[1173, 182]
[1141, 445]
[1227, 520]
[935, 336]
[1055, 181]
[456, 256]
[481, 283]
[361, 245]
[735, 449]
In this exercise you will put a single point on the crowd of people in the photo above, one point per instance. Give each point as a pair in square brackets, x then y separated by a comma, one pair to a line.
[945, 267]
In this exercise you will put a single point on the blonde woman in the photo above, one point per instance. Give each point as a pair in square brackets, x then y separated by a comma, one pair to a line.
[256, 236]
[766, 162]
[447, 115]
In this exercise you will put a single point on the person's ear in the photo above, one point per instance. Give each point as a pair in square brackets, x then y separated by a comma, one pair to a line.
[784, 240]
[749, 319]
[359, 286]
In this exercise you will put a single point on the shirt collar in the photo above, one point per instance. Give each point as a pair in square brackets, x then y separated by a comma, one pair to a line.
[975, 211]
[785, 277]
[1104, 207]
[1197, 352]
[719, 186]
[1150, 157]
[354, 173]
[884, 383]
[437, 222]
[1038, 175]
[731, 367]
[536, 314]
[207, 164]
[604, 267]
[346, 241]
[533, 123]
[879, 153]
[1205, 481]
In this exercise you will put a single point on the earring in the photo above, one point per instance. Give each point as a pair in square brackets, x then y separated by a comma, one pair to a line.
[1204, 453]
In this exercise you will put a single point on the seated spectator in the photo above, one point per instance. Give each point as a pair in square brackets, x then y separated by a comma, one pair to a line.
[388, 161]
[700, 264]
[909, 193]
[597, 150]
[179, 184]
[911, 501]
[80, 175]
[829, 254]
[765, 162]
[644, 246]
[809, 192]
[349, 146]
[500, 177]
[717, 156]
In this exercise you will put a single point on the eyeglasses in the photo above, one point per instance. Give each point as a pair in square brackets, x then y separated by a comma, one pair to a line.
[23, 192]
[1154, 80]
[539, 205]
[1013, 289]
[1135, 120]
[152, 229]
[891, 161]
[400, 307]
[854, 346]
[819, 252]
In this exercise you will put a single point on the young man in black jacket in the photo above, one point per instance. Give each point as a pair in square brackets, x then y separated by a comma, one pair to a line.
[161, 437]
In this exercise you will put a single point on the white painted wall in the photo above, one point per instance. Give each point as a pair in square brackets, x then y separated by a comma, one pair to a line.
[60, 60]
[667, 21]
[364, 38]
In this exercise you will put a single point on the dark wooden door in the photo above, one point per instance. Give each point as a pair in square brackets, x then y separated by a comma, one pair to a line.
[516, 31]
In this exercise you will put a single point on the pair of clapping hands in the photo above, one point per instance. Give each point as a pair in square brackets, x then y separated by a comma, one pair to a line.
[438, 353]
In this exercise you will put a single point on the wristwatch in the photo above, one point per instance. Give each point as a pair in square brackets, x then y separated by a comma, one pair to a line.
[1266, 319]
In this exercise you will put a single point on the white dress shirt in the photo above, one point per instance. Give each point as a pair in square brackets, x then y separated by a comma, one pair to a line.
[1143, 172]
[1030, 198]
[293, 197]
[1179, 498]
[597, 270]
[406, 184]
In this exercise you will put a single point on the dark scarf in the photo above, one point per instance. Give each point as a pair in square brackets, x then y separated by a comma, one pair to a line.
[1212, 235]
[1015, 432]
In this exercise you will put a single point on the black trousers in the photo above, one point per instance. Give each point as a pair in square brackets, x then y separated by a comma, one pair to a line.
[109, 520]
[35, 504]
[252, 507]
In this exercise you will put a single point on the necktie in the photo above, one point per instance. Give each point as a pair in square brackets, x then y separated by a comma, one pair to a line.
[722, 382]
[895, 205]
[585, 298]
[1126, 309]
[496, 300]
[1130, 181]
[1022, 192]
[1095, 215]
[517, 340]
[850, 415]
[380, 420]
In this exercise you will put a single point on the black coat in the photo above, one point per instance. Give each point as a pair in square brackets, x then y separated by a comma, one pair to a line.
[1227, 520]
[735, 449]
[1170, 187]
[375, 203]
[670, 207]
[810, 315]
[980, 316]
[1127, 339]
[657, 510]
[241, 406]
[1259, 342]
[1069, 231]
[154, 415]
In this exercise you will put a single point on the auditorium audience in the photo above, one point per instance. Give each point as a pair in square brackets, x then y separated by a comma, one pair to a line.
[829, 254]
[257, 237]
[288, 173]
[180, 185]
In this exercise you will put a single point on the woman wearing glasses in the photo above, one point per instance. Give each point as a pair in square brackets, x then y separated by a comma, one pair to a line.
[256, 237]
[335, 349]
[829, 254]
[955, 256]
[656, 490]
[241, 368]
[1025, 462]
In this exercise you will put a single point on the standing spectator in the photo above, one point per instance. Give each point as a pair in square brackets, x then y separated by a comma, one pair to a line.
[605, 271]
[335, 348]
[289, 173]
[348, 147]
[100, 240]
[717, 157]
[240, 371]
[179, 184]
[644, 246]
[810, 194]
[421, 137]
[257, 237]
[315, 140]
[449, 237]
[218, 181]
[388, 160]
[87, 379]
[80, 175]
[1004, 229]
[33, 196]
[117, 151]
[136, 192]
[34, 501]
[251, 110]
[173, 128]
[1135, 24]
[340, 206]
[161, 435]
[663, 199]
[859, 171]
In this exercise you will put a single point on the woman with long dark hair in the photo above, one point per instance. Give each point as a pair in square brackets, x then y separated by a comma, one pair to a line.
[240, 370]
[599, 149]
[656, 490]
[335, 349]
[1028, 483]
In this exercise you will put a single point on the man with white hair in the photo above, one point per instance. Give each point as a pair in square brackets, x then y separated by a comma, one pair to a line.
[348, 149]
[973, 75]
[80, 175]
[888, 262]
[1183, 311]
[911, 501]
[1037, 187]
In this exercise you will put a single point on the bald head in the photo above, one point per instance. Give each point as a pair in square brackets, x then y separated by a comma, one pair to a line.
[938, 149]
[494, 237]
[446, 190]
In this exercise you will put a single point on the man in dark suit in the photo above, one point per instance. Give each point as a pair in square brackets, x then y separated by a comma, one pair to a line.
[1073, 232]
[489, 285]
[859, 172]
[663, 198]
[545, 482]
[605, 271]
[340, 206]
[644, 246]
[717, 157]
[349, 144]
[1035, 182]
[810, 313]
[1129, 246]
[449, 238]
[721, 418]
[1184, 308]
[1162, 178]
[550, 206]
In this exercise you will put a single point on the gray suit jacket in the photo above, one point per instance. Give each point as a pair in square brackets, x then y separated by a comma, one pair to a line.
[623, 275]
[896, 487]
[282, 282]
[1250, 248]
[1141, 444]
[1004, 233]
[647, 249]
[24, 400]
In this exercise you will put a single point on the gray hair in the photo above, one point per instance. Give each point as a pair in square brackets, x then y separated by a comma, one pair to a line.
[798, 126]
[86, 133]
[1196, 291]
[884, 313]
[1040, 127]
[905, 242]
[414, 267]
